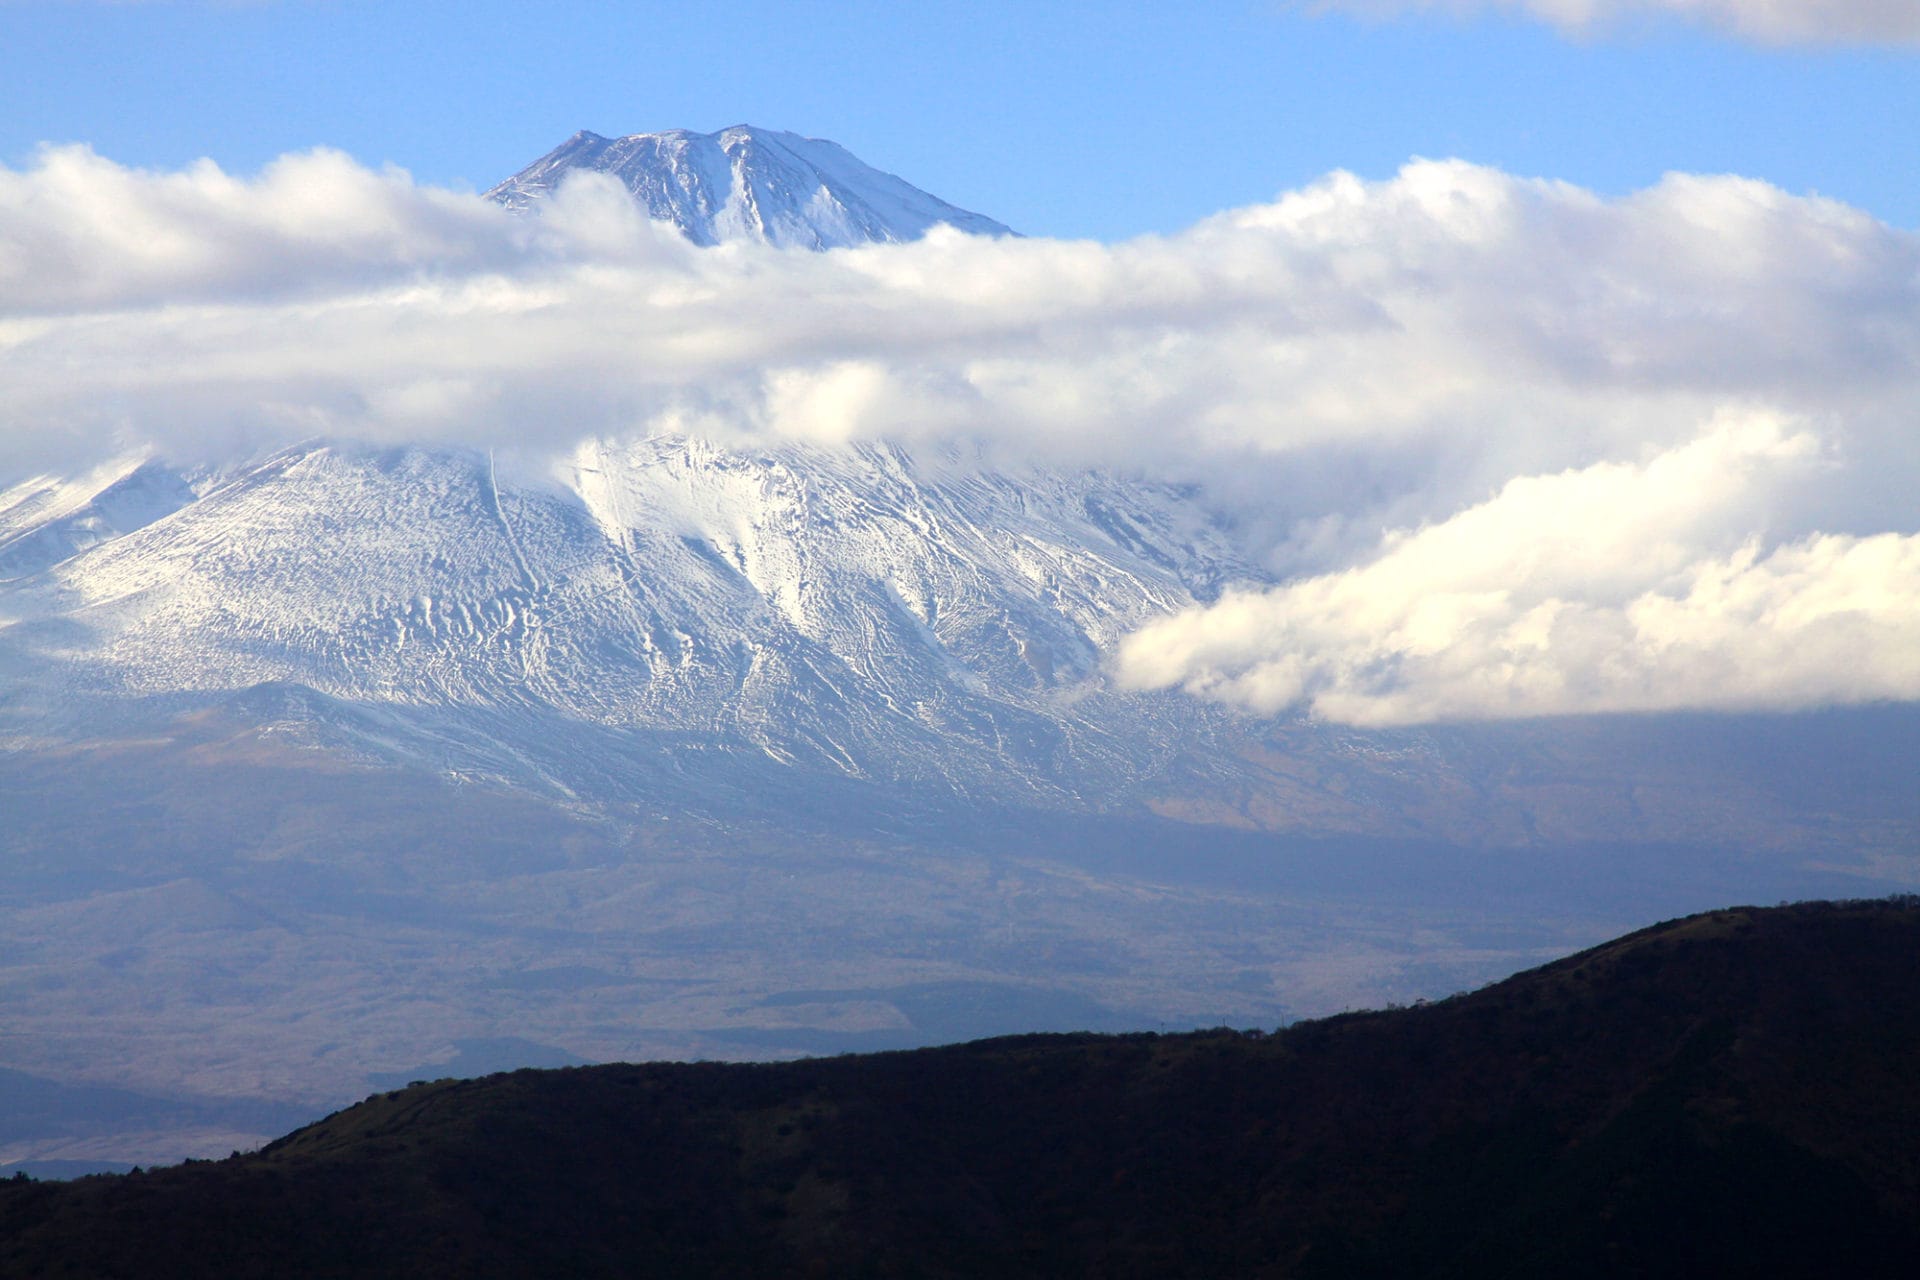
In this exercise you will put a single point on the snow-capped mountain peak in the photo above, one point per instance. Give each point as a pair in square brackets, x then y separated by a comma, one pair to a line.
[748, 183]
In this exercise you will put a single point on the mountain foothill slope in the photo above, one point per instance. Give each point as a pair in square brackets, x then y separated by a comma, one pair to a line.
[1732, 1094]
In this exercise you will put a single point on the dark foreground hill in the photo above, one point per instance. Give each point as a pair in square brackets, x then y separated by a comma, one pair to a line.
[1736, 1093]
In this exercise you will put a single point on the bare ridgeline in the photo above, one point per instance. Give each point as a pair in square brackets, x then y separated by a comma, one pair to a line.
[1729, 1094]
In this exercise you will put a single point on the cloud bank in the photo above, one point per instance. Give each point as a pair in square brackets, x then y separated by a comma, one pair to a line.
[1594, 590]
[1771, 22]
[1506, 447]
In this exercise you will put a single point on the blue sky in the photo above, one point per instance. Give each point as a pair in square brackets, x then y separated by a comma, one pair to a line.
[1101, 120]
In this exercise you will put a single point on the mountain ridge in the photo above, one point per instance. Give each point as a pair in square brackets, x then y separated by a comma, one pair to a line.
[1728, 1091]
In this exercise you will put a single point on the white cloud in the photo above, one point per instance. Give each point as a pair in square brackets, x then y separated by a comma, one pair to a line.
[1594, 590]
[1775, 22]
[1437, 353]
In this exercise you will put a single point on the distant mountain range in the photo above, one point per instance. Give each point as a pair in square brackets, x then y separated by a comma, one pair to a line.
[746, 183]
[1730, 1094]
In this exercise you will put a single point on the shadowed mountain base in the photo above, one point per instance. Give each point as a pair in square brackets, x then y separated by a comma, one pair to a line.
[1733, 1093]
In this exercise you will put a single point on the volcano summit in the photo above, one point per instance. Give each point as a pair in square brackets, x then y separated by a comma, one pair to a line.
[747, 183]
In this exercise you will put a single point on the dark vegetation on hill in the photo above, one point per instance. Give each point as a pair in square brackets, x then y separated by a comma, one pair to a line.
[1736, 1093]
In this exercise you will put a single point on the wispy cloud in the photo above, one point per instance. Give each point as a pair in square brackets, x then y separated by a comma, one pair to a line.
[1772, 22]
[1663, 428]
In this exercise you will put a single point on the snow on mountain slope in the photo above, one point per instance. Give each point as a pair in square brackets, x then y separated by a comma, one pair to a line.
[749, 183]
[857, 634]
[45, 519]
[848, 612]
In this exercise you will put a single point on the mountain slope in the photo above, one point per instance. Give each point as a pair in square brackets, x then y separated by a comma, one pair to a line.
[849, 612]
[669, 622]
[746, 183]
[1731, 1093]
[47, 519]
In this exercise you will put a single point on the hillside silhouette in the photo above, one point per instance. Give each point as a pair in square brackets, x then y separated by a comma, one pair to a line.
[1734, 1093]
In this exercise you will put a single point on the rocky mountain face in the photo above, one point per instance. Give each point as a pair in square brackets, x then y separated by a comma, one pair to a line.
[746, 183]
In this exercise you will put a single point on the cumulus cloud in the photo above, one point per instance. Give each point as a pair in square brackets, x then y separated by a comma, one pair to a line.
[1593, 590]
[1434, 353]
[1773, 22]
